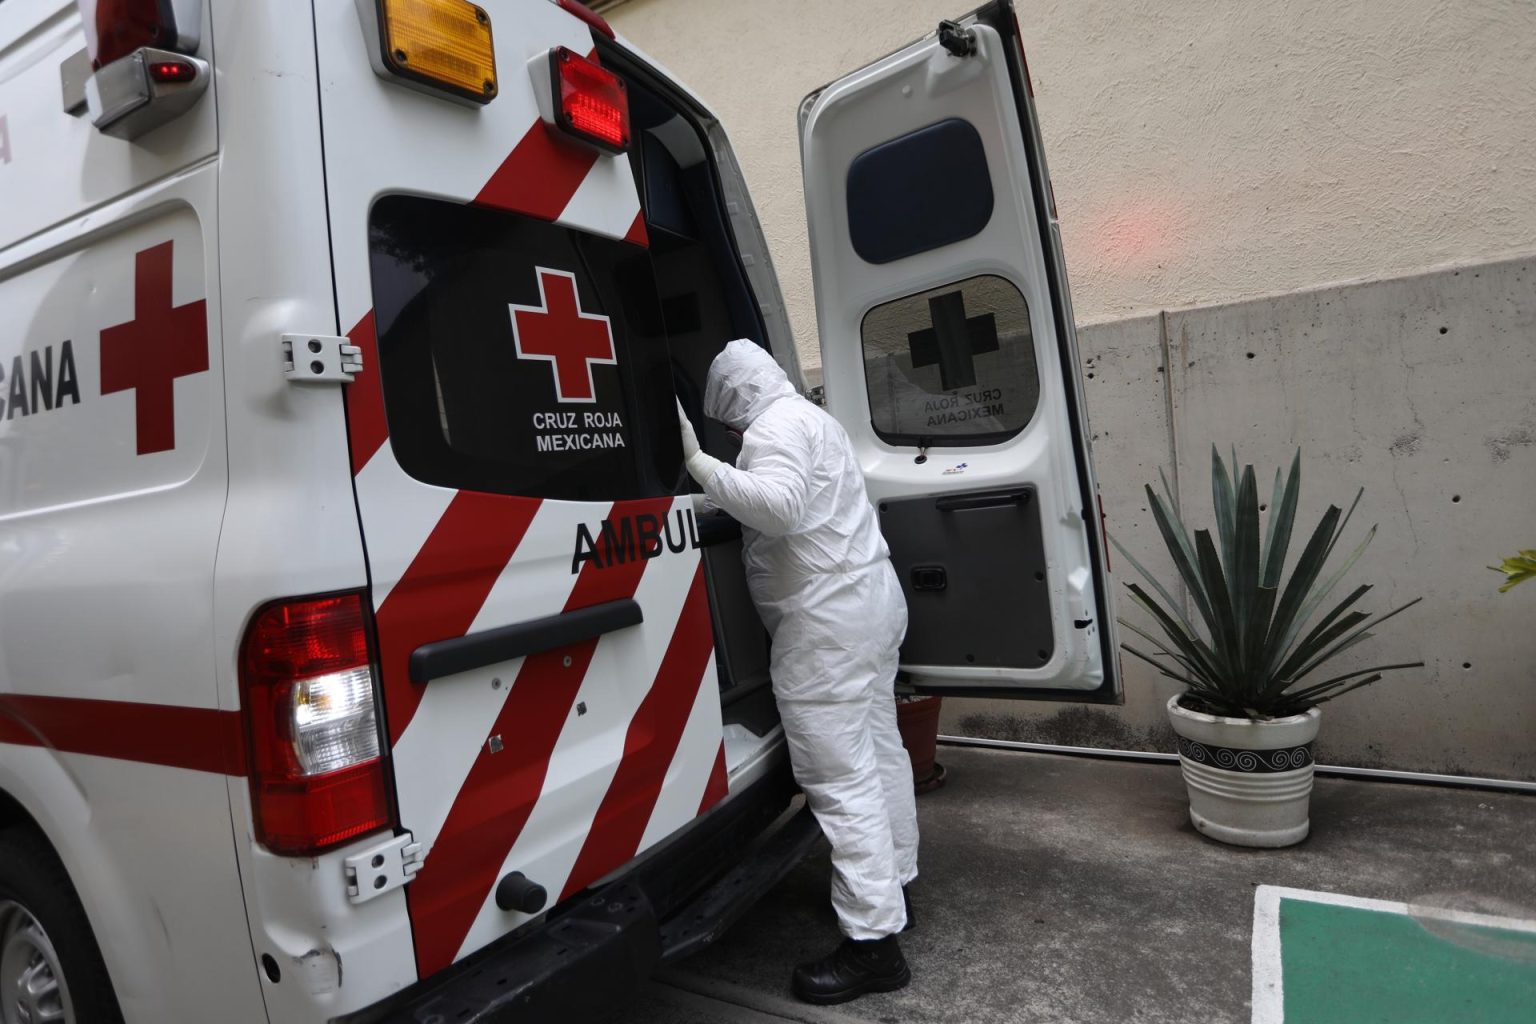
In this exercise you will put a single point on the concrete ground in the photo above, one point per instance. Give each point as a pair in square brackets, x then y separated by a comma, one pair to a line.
[1056, 888]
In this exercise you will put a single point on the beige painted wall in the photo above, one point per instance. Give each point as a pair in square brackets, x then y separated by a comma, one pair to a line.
[1216, 167]
[1201, 152]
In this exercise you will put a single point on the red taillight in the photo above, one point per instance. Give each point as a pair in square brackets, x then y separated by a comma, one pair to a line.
[115, 28]
[172, 71]
[311, 714]
[587, 15]
[590, 102]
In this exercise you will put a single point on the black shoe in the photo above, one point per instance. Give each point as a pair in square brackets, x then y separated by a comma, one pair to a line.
[906, 898]
[851, 970]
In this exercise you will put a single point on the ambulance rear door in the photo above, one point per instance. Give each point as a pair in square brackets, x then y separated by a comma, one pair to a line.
[949, 355]
[543, 626]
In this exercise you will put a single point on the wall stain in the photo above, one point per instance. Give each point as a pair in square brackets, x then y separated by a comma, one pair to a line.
[1077, 726]
[1500, 445]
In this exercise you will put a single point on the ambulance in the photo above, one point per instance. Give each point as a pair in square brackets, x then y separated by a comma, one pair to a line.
[362, 656]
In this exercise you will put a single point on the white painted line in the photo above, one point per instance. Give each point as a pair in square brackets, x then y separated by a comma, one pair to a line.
[1268, 978]
[1268, 987]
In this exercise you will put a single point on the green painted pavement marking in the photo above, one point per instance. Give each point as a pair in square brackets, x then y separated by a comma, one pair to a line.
[1320, 958]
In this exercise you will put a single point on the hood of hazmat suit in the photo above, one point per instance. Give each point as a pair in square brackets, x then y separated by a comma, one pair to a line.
[821, 577]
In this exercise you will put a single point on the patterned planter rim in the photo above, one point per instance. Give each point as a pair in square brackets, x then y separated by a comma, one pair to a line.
[1175, 708]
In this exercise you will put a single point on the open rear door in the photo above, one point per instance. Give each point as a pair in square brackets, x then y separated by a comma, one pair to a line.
[949, 355]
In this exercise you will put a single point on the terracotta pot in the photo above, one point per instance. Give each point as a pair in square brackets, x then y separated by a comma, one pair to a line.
[918, 721]
[1249, 782]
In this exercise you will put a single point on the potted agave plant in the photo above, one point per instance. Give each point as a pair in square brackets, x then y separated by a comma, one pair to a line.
[1246, 723]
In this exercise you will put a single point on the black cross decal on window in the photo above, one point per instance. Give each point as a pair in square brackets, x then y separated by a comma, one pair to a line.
[952, 340]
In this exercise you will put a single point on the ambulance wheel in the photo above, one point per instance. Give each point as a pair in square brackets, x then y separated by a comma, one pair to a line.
[51, 970]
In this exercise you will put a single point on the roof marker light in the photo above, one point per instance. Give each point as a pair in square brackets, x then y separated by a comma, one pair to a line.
[590, 102]
[442, 46]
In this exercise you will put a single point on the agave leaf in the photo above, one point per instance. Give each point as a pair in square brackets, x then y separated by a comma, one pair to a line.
[1320, 593]
[1160, 666]
[1193, 668]
[1316, 688]
[1329, 635]
[1224, 637]
[1190, 643]
[1344, 523]
[1173, 500]
[1177, 542]
[1243, 570]
[1282, 517]
[1258, 624]
[1335, 651]
[1296, 706]
[1276, 494]
[1324, 698]
[1296, 589]
[1175, 607]
[1224, 501]
[1313, 641]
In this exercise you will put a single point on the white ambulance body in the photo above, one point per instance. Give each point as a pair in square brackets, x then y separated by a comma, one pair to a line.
[361, 656]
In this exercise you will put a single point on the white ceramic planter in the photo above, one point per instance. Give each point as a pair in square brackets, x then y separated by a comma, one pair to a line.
[1250, 782]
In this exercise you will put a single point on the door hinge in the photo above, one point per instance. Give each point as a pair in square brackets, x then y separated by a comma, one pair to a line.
[320, 358]
[386, 867]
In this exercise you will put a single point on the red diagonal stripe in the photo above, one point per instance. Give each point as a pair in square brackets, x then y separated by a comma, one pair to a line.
[367, 429]
[637, 233]
[719, 782]
[540, 175]
[199, 739]
[443, 588]
[500, 792]
[650, 744]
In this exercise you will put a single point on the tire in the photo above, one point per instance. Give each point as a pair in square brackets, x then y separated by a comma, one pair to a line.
[46, 940]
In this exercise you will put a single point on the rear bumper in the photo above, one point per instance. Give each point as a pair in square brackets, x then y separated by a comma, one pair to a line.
[592, 950]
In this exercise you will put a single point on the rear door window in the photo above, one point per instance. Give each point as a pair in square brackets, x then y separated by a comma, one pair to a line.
[954, 364]
[519, 356]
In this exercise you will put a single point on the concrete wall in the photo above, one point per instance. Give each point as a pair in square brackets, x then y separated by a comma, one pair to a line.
[1420, 389]
[1214, 174]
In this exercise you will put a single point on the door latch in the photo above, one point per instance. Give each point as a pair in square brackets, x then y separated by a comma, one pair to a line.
[929, 577]
[382, 869]
[959, 41]
[320, 358]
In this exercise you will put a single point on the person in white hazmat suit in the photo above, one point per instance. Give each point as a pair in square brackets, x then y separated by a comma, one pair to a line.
[820, 574]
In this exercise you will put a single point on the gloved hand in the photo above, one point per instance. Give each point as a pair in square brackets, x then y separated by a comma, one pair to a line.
[701, 465]
[690, 439]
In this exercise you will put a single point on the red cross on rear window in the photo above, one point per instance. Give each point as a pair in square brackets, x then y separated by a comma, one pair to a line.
[145, 355]
[556, 330]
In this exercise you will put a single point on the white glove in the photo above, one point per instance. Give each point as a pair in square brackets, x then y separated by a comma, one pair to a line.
[701, 465]
[690, 439]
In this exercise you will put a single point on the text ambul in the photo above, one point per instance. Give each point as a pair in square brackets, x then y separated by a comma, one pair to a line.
[630, 538]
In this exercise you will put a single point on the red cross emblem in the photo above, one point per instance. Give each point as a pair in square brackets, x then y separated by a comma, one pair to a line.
[147, 354]
[558, 331]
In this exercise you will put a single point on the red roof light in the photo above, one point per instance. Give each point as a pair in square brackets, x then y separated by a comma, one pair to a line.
[591, 102]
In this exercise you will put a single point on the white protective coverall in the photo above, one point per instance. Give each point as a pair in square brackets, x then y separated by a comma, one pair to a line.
[821, 577]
